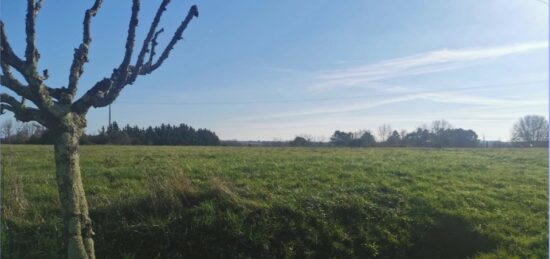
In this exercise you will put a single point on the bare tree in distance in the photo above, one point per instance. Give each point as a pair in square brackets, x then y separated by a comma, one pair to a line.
[403, 133]
[58, 109]
[307, 137]
[358, 134]
[7, 130]
[531, 130]
[424, 126]
[384, 132]
[316, 138]
[24, 132]
[440, 125]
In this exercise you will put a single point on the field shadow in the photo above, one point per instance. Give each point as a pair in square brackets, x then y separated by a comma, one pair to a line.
[450, 237]
[174, 222]
[179, 220]
[446, 236]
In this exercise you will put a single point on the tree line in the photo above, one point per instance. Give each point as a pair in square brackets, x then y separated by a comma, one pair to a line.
[441, 134]
[528, 131]
[165, 134]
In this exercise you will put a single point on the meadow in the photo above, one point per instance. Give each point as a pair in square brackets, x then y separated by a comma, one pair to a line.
[249, 202]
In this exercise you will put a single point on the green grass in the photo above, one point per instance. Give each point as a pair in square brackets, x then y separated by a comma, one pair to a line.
[223, 202]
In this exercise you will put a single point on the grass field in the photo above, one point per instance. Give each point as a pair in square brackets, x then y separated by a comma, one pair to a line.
[223, 202]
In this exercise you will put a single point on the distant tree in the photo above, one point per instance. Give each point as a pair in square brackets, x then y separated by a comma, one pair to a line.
[207, 138]
[367, 139]
[419, 138]
[458, 138]
[38, 134]
[113, 127]
[23, 133]
[42, 136]
[394, 140]
[341, 139]
[7, 130]
[531, 130]
[403, 133]
[352, 139]
[384, 132]
[299, 142]
[440, 125]
[437, 130]
[165, 134]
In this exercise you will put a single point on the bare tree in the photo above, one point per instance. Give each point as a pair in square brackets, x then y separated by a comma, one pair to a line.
[384, 132]
[531, 130]
[64, 115]
[440, 125]
[22, 131]
[7, 129]
[403, 133]
[307, 137]
[424, 126]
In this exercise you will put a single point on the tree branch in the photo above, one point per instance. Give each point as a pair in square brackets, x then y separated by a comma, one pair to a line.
[151, 35]
[31, 53]
[121, 75]
[130, 40]
[7, 56]
[9, 59]
[93, 96]
[154, 44]
[41, 95]
[37, 7]
[7, 80]
[107, 90]
[193, 12]
[20, 111]
[81, 54]
[57, 93]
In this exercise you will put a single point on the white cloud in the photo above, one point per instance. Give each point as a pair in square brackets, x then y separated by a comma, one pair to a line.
[465, 107]
[491, 116]
[340, 108]
[422, 63]
[443, 97]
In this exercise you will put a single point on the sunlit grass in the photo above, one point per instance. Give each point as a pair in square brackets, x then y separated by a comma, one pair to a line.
[285, 202]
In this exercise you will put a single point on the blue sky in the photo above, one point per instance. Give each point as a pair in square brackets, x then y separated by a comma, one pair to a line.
[276, 69]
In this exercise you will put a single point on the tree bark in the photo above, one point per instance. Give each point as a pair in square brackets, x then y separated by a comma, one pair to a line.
[77, 223]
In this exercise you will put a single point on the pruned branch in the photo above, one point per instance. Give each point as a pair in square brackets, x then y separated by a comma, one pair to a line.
[20, 111]
[93, 96]
[37, 7]
[41, 95]
[107, 90]
[81, 53]
[130, 40]
[8, 80]
[193, 12]
[57, 93]
[31, 53]
[36, 91]
[154, 44]
[150, 39]
[121, 75]
[7, 56]
[7, 60]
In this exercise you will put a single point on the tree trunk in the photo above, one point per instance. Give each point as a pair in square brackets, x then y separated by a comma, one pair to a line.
[77, 223]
